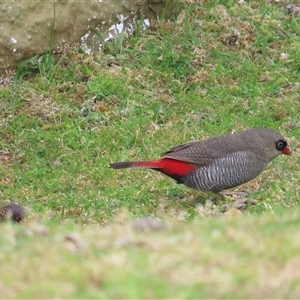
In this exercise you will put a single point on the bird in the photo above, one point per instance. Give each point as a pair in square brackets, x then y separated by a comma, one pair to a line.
[219, 163]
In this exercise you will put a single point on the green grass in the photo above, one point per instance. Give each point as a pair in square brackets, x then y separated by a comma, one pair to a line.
[66, 118]
[245, 257]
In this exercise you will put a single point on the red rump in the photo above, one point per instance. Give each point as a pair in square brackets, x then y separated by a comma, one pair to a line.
[168, 166]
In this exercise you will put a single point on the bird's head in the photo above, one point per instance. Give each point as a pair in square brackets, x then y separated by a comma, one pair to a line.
[268, 142]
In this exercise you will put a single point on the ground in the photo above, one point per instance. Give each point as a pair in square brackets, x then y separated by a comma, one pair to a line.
[215, 68]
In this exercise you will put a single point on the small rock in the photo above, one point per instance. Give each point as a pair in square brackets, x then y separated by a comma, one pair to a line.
[292, 9]
[232, 213]
[36, 230]
[73, 242]
[149, 224]
[243, 203]
[12, 212]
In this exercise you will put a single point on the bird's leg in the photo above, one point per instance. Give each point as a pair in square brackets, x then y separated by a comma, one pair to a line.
[241, 199]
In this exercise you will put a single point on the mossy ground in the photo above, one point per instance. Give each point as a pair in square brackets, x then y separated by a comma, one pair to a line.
[217, 68]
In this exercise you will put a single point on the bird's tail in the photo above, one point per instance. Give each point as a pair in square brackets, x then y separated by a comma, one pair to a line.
[176, 169]
[155, 164]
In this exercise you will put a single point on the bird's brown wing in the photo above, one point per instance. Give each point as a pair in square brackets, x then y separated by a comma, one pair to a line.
[204, 153]
[196, 153]
[181, 147]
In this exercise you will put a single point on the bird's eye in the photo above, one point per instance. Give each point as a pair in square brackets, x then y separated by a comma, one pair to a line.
[280, 145]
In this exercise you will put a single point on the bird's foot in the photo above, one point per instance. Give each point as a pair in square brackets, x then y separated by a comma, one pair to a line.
[244, 203]
[241, 200]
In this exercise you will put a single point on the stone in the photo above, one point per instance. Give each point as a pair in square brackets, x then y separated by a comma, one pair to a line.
[30, 28]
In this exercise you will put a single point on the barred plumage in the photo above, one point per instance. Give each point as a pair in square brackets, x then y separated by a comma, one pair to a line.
[218, 163]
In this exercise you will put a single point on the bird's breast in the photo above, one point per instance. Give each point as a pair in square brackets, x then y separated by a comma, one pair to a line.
[225, 172]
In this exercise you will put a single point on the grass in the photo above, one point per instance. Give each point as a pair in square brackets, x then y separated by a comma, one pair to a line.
[243, 257]
[218, 68]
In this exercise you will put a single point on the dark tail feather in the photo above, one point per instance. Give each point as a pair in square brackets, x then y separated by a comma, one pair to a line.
[154, 164]
[121, 165]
